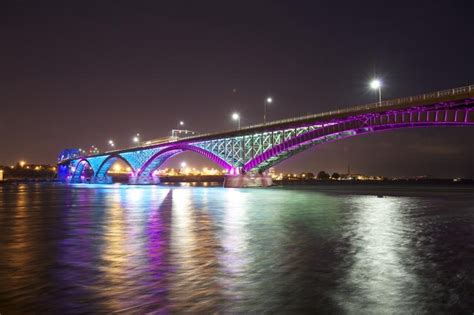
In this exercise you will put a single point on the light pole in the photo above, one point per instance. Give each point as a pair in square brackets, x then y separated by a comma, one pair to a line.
[268, 100]
[376, 84]
[236, 116]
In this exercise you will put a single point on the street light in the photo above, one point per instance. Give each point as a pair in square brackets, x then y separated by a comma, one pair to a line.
[376, 84]
[183, 164]
[236, 116]
[268, 100]
[180, 124]
[136, 139]
[111, 143]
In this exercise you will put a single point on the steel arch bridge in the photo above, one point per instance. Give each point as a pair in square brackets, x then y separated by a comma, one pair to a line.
[254, 149]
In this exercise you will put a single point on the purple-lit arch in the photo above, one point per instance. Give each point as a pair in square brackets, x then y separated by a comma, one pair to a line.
[79, 170]
[341, 130]
[159, 158]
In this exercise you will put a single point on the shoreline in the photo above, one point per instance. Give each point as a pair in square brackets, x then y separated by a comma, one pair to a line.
[296, 182]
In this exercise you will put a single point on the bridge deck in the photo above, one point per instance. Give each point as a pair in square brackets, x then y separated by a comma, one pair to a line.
[455, 96]
[451, 95]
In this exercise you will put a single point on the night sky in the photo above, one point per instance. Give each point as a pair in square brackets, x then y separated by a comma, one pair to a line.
[78, 73]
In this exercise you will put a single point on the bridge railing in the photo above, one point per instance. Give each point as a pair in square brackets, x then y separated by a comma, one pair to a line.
[377, 105]
[370, 106]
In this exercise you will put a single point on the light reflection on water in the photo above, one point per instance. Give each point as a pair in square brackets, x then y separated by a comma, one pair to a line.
[113, 248]
[380, 232]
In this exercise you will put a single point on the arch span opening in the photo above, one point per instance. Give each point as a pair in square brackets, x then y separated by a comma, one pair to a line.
[152, 169]
[114, 169]
[82, 172]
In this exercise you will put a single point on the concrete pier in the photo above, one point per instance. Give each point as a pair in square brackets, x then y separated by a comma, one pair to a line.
[101, 180]
[247, 180]
[144, 180]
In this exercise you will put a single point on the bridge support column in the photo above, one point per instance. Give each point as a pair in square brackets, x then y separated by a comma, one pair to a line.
[143, 180]
[247, 180]
[101, 180]
[63, 173]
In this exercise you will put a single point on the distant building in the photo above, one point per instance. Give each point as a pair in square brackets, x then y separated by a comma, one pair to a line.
[360, 177]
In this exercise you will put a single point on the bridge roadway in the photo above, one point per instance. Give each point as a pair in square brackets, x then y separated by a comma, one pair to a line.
[248, 152]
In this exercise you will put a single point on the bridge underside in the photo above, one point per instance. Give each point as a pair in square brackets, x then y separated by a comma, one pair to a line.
[247, 156]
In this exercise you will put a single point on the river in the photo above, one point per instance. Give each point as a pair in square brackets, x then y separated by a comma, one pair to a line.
[164, 249]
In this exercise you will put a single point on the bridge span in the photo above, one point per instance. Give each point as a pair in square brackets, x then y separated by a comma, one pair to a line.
[248, 152]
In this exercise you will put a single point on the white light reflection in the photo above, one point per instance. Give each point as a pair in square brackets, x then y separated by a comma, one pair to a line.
[235, 238]
[380, 277]
[193, 253]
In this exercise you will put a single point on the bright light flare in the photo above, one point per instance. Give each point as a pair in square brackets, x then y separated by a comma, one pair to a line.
[235, 116]
[269, 100]
[375, 84]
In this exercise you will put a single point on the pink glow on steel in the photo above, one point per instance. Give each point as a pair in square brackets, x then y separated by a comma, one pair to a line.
[319, 134]
[186, 147]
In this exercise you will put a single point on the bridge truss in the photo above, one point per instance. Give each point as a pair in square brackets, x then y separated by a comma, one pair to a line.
[257, 148]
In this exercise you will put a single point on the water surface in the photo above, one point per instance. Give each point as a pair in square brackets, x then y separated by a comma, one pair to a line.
[162, 249]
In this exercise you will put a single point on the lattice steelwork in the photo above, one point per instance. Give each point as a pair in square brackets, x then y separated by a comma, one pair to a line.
[138, 158]
[154, 163]
[238, 151]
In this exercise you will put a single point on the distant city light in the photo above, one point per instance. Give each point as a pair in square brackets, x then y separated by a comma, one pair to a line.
[111, 143]
[183, 164]
[269, 100]
[22, 163]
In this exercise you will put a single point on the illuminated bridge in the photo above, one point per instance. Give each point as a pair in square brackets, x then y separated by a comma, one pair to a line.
[248, 152]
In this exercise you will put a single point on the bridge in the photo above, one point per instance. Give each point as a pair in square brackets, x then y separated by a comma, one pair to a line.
[248, 152]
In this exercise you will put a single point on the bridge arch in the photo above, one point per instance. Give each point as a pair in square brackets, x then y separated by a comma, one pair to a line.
[338, 131]
[108, 162]
[160, 157]
[78, 170]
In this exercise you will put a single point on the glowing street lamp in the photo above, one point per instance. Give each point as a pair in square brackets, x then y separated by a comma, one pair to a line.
[22, 163]
[236, 116]
[111, 143]
[180, 124]
[268, 100]
[376, 84]
[183, 164]
[136, 139]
